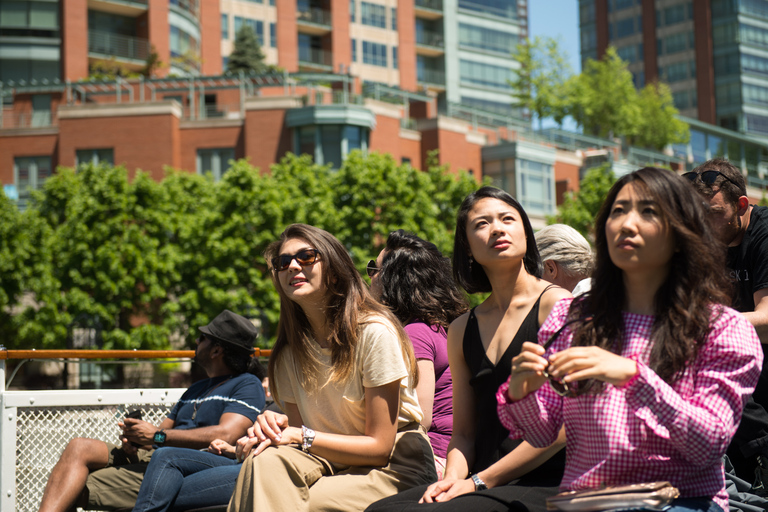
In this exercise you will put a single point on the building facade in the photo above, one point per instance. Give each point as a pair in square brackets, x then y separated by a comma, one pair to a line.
[712, 53]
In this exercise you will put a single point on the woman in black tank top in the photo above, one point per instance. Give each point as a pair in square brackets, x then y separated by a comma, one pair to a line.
[494, 251]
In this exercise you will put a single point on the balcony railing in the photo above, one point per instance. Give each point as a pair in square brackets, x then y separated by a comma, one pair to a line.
[191, 6]
[429, 38]
[508, 13]
[315, 15]
[15, 120]
[431, 76]
[315, 57]
[115, 45]
[436, 5]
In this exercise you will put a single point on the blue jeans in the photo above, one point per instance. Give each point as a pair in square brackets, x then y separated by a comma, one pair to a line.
[182, 478]
[693, 505]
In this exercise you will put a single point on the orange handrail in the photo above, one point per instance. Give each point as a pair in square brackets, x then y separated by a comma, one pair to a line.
[108, 354]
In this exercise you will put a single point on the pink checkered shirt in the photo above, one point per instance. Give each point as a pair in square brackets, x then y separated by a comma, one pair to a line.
[647, 431]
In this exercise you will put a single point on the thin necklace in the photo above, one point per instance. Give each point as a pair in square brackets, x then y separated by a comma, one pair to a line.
[200, 400]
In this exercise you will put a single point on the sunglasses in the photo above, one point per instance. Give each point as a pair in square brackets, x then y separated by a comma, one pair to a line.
[708, 177]
[559, 386]
[372, 269]
[305, 257]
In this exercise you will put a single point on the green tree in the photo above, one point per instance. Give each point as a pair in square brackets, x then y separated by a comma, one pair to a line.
[658, 125]
[580, 208]
[247, 54]
[603, 98]
[539, 83]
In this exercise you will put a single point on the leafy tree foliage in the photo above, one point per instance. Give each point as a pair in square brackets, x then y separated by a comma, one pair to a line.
[247, 54]
[155, 260]
[580, 208]
[539, 83]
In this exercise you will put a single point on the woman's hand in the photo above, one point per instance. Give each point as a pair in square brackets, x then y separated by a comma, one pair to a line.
[270, 428]
[446, 490]
[527, 373]
[223, 448]
[579, 363]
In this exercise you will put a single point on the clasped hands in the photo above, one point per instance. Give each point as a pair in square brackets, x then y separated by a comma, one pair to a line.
[270, 429]
[530, 370]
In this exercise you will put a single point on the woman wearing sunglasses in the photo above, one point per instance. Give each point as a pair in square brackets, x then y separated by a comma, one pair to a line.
[494, 251]
[343, 371]
[414, 280]
[649, 371]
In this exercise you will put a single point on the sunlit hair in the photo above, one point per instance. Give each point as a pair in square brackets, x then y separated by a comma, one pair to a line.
[731, 193]
[682, 305]
[416, 282]
[473, 278]
[566, 246]
[349, 306]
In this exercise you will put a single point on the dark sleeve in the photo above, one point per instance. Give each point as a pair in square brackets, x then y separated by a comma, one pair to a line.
[759, 254]
[175, 410]
[246, 398]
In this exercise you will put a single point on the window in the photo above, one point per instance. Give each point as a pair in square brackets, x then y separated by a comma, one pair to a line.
[536, 186]
[487, 39]
[394, 18]
[215, 161]
[375, 54]
[676, 14]
[374, 15]
[489, 75]
[273, 35]
[94, 156]
[676, 43]
[354, 50]
[394, 57]
[39, 19]
[352, 10]
[679, 71]
[182, 42]
[224, 26]
[330, 144]
[30, 173]
[41, 110]
[628, 53]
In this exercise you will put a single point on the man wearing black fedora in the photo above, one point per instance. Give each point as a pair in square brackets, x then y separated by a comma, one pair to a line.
[96, 475]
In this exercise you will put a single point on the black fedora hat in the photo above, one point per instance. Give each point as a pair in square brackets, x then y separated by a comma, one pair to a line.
[231, 328]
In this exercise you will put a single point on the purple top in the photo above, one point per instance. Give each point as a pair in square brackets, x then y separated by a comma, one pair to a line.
[431, 343]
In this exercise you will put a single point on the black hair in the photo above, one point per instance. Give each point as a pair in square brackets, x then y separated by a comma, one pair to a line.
[472, 277]
[416, 282]
[238, 360]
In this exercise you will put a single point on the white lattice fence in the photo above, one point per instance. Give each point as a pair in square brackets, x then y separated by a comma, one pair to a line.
[36, 426]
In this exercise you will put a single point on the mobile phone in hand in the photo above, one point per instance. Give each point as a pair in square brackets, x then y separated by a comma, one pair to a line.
[135, 414]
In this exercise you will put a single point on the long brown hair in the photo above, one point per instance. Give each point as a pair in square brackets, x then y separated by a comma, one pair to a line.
[682, 306]
[349, 306]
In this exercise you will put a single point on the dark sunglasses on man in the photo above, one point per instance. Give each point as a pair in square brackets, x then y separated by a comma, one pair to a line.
[708, 177]
[304, 257]
[372, 269]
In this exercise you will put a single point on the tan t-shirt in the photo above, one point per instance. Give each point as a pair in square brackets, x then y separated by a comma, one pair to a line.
[339, 407]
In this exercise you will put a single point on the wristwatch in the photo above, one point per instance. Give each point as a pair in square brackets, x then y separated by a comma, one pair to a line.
[479, 484]
[159, 437]
[307, 438]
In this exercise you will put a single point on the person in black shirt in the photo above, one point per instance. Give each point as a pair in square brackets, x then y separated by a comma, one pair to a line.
[744, 229]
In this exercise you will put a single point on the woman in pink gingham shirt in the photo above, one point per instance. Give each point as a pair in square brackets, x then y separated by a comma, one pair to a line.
[648, 372]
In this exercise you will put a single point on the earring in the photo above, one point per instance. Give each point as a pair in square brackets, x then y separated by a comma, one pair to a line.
[470, 263]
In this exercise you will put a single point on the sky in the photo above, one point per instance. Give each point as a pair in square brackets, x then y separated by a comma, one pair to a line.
[558, 19]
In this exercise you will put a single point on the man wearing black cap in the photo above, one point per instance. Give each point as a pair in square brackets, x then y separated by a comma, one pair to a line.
[92, 474]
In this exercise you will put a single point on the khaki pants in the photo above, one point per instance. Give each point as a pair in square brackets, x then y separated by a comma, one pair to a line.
[117, 485]
[286, 478]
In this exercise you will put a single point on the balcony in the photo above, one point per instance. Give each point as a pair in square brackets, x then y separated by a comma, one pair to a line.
[510, 13]
[10, 120]
[429, 43]
[433, 79]
[314, 21]
[429, 9]
[104, 45]
[315, 59]
[128, 8]
[190, 6]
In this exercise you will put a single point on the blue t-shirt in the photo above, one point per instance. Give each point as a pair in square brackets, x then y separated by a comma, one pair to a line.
[205, 401]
